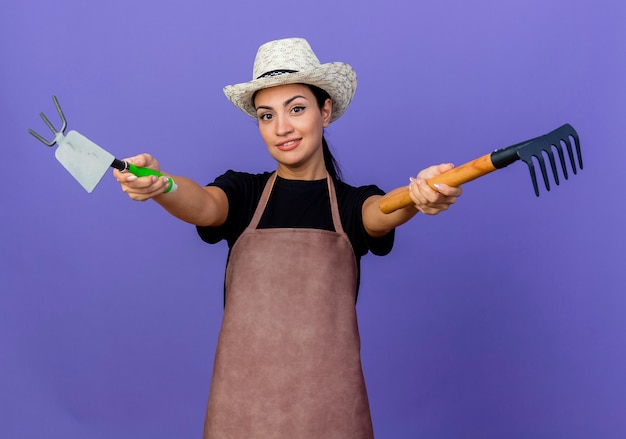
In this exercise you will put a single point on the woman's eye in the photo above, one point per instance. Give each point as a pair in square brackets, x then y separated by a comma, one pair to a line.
[298, 109]
[265, 116]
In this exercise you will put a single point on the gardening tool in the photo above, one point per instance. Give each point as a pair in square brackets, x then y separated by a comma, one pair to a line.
[528, 151]
[86, 161]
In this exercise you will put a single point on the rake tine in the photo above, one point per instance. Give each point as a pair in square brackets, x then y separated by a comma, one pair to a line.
[553, 165]
[544, 171]
[571, 134]
[570, 153]
[577, 143]
[559, 149]
[533, 176]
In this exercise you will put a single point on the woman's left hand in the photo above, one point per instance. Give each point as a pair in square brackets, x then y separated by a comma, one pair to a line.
[432, 201]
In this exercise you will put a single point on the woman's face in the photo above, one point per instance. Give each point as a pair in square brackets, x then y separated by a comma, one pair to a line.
[292, 124]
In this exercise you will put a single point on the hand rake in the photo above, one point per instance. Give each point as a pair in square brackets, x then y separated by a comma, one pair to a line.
[529, 151]
[86, 161]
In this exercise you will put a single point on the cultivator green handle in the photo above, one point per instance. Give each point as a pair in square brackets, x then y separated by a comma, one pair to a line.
[123, 165]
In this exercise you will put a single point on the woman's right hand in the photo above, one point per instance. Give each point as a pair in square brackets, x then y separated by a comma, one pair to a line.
[142, 188]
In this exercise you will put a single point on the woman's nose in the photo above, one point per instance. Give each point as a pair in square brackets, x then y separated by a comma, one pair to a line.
[283, 125]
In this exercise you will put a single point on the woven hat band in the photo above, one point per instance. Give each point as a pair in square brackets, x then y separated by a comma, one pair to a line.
[276, 73]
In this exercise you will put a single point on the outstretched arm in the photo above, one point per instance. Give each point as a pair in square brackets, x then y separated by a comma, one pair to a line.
[426, 200]
[202, 206]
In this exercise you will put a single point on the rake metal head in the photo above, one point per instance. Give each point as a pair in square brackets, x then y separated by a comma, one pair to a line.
[544, 146]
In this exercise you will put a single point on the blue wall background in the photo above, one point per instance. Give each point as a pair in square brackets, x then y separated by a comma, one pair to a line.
[503, 317]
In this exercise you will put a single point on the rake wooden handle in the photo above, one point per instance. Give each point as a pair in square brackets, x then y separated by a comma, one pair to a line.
[454, 177]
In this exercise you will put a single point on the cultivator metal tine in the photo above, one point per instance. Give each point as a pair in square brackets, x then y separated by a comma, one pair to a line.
[52, 128]
[61, 115]
[45, 119]
[41, 139]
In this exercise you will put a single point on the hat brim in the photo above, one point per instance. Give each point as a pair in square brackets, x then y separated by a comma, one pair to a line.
[336, 78]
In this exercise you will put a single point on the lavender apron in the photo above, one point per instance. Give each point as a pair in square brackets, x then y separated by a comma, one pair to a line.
[288, 358]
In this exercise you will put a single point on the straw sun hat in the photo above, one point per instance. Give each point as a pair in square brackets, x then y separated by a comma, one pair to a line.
[292, 61]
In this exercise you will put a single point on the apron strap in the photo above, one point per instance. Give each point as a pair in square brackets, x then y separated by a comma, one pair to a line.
[260, 207]
[334, 206]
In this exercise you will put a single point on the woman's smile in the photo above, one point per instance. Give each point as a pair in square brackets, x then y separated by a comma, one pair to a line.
[289, 145]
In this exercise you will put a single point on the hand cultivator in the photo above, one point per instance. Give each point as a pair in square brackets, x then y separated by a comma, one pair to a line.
[86, 161]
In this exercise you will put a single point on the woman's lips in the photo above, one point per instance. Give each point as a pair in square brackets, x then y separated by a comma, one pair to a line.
[288, 145]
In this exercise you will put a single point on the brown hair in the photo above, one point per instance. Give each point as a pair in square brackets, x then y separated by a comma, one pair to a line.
[332, 166]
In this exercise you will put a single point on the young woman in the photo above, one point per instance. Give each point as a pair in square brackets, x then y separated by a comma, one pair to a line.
[288, 358]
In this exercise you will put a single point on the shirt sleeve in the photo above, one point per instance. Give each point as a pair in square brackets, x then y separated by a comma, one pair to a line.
[351, 201]
[243, 191]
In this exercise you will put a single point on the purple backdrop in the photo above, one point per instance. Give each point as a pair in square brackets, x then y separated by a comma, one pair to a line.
[503, 317]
